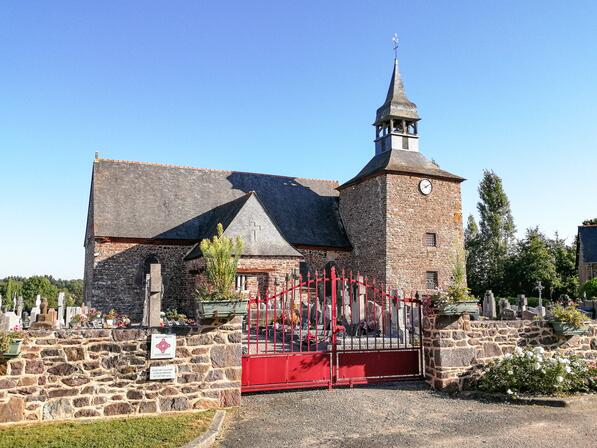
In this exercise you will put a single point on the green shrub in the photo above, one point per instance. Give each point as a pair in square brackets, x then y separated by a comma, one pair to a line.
[221, 256]
[590, 288]
[534, 372]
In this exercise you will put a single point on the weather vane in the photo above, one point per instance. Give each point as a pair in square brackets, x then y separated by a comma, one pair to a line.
[395, 45]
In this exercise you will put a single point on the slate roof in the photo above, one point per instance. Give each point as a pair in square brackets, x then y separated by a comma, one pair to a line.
[396, 103]
[151, 201]
[398, 161]
[246, 217]
[588, 237]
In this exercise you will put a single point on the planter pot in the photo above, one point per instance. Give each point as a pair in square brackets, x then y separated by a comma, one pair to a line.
[109, 323]
[565, 329]
[14, 349]
[456, 309]
[221, 308]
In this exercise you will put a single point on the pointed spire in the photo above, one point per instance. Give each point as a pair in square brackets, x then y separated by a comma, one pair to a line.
[396, 104]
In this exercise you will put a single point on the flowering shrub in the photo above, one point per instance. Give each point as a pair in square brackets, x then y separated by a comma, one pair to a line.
[534, 372]
[8, 337]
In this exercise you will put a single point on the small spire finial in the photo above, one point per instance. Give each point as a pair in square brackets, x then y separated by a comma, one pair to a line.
[395, 45]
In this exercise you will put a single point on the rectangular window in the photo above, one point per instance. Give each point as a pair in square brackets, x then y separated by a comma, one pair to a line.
[241, 283]
[431, 277]
[431, 239]
[404, 142]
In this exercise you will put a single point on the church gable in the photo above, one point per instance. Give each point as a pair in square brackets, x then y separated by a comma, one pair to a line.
[247, 218]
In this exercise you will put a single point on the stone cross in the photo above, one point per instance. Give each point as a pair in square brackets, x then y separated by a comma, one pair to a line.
[155, 294]
[14, 301]
[256, 228]
[522, 304]
[489, 309]
[540, 309]
[61, 309]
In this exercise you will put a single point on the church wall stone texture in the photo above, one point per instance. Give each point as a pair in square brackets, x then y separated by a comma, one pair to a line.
[410, 216]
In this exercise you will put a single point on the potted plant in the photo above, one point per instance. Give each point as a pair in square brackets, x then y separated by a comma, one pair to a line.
[94, 318]
[10, 342]
[568, 321]
[456, 300]
[78, 320]
[110, 317]
[215, 295]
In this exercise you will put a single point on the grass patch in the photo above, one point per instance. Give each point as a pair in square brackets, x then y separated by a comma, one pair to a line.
[171, 431]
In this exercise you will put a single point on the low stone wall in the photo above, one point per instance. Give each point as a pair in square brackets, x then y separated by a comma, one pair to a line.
[454, 348]
[95, 373]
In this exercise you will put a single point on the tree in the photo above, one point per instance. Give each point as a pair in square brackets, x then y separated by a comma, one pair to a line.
[565, 259]
[39, 285]
[589, 222]
[531, 262]
[496, 234]
[473, 262]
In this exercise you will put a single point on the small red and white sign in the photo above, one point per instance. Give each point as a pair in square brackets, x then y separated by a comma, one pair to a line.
[163, 346]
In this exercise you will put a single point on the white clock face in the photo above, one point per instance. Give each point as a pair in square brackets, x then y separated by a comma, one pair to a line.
[425, 186]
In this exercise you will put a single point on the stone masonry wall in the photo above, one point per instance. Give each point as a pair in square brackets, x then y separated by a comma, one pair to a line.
[317, 259]
[363, 211]
[410, 216]
[68, 374]
[455, 348]
[273, 270]
[118, 276]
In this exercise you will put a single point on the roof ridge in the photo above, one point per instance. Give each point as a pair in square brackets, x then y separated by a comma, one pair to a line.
[164, 165]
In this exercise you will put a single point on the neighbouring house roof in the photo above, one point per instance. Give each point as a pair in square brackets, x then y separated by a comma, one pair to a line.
[151, 201]
[246, 217]
[587, 236]
[398, 161]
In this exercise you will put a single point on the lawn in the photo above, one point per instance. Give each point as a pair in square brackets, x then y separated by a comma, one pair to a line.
[170, 431]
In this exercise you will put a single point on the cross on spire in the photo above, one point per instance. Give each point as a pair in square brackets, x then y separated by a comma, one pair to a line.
[395, 45]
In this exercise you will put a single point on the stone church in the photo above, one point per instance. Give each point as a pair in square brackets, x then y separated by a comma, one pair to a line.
[398, 220]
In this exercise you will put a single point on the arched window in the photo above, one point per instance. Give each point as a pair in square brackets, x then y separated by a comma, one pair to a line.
[151, 259]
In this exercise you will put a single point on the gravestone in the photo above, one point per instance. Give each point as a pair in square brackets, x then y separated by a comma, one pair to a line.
[20, 306]
[11, 320]
[60, 310]
[508, 314]
[36, 309]
[155, 294]
[522, 304]
[25, 320]
[489, 309]
[71, 311]
[44, 319]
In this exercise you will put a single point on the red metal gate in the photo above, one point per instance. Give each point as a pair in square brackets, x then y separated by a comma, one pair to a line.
[329, 330]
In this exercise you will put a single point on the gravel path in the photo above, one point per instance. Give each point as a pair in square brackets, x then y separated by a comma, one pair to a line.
[400, 415]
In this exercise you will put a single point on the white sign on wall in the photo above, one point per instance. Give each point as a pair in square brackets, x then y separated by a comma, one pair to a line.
[162, 372]
[163, 346]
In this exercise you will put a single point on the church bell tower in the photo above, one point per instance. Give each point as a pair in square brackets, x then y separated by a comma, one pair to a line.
[402, 212]
[396, 120]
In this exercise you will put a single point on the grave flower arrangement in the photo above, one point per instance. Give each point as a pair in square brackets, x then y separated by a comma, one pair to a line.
[10, 342]
[172, 318]
[78, 321]
[568, 320]
[535, 372]
[215, 294]
[456, 300]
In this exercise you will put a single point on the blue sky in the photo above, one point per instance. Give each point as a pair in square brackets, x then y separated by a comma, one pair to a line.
[288, 88]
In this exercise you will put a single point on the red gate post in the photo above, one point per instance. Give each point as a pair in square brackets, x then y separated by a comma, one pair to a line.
[333, 326]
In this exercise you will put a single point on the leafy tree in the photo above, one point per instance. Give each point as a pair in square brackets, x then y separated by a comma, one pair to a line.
[589, 222]
[39, 285]
[496, 236]
[590, 288]
[532, 261]
[473, 256]
[565, 258]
